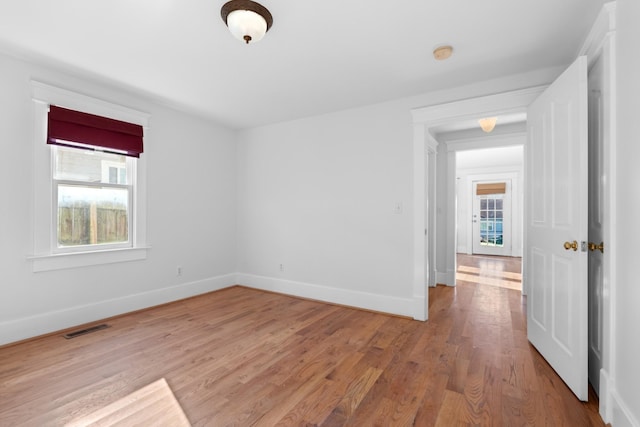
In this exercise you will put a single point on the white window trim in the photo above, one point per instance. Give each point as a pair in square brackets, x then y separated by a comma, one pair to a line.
[43, 257]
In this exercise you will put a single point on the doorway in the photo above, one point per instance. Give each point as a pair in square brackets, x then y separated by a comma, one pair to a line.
[489, 199]
[512, 103]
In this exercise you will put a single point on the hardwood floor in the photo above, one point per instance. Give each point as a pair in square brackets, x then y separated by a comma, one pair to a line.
[245, 357]
[505, 272]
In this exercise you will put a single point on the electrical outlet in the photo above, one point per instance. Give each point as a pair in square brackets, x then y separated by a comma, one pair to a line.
[179, 271]
[281, 268]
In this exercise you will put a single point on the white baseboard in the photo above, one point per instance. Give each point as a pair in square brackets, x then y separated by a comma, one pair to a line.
[365, 300]
[32, 326]
[420, 311]
[451, 278]
[604, 396]
[448, 278]
[613, 409]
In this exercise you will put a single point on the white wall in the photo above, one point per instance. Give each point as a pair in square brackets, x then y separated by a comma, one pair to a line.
[191, 203]
[318, 196]
[626, 312]
[494, 163]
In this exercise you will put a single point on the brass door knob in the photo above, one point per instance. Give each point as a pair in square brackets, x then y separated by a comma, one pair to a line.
[573, 245]
[593, 247]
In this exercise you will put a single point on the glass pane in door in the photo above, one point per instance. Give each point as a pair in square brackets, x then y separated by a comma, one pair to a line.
[491, 217]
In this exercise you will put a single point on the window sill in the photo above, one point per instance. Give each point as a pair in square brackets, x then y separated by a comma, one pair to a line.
[84, 259]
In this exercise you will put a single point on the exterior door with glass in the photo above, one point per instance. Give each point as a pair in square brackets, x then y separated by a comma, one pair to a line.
[492, 218]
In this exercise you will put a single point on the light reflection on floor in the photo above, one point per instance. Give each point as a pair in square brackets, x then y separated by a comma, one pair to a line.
[492, 271]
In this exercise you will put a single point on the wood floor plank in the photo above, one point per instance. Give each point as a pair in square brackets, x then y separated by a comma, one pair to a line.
[354, 394]
[433, 398]
[318, 404]
[245, 357]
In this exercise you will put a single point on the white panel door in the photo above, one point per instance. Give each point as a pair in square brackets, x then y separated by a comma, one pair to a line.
[556, 226]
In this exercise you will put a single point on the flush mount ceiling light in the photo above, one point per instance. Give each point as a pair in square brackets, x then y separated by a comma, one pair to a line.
[488, 123]
[442, 52]
[246, 19]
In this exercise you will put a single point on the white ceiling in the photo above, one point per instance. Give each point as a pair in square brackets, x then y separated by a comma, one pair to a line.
[505, 123]
[490, 157]
[318, 57]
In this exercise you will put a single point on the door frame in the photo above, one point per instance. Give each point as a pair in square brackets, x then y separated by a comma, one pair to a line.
[424, 119]
[601, 43]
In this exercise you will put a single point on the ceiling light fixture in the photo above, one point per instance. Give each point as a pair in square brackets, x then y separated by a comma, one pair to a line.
[488, 123]
[442, 52]
[246, 19]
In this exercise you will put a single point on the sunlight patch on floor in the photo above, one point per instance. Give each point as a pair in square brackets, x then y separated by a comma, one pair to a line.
[491, 273]
[491, 281]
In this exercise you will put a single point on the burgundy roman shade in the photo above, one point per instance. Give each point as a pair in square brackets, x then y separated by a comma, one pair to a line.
[69, 127]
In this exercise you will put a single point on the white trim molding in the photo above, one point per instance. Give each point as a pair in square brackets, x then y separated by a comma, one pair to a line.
[618, 413]
[69, 99]
[364, 300]
[424, 119]
[501, 103]
[42, 257]
[84, 259]
[445, 278]
[600, 44]
[603, 27]
[419, 286]
[40, 324]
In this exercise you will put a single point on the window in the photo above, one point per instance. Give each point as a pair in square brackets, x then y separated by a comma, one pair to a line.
[89, 187]
[93, 197]
[114, 172]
